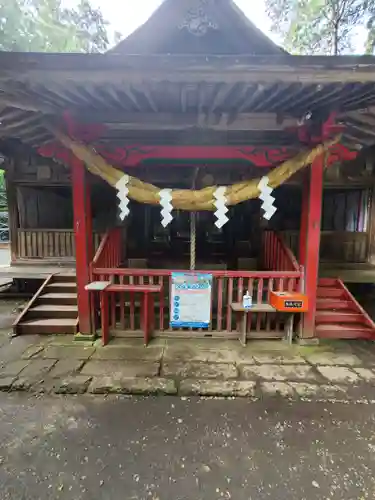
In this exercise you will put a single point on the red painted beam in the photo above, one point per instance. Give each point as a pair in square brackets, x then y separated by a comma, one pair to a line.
[83, 237]
[136, 155]
[312, 244]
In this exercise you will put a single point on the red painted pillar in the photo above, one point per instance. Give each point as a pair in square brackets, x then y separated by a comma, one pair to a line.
[83, 242]
[312, 243]
[304, 217]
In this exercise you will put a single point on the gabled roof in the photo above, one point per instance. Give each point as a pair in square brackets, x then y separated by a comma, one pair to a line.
[198, 27]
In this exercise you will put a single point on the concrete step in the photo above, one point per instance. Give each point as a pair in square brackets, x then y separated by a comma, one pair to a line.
[348, 331]
[48, 326]
[53, 311]
[58, 298]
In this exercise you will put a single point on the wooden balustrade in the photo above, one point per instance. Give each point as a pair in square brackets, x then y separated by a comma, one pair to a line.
[52, 244]
[335, 246]
[276, 255]
[228, 287]
[109, 251]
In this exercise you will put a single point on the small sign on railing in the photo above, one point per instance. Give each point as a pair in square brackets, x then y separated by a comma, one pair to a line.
[289, 301]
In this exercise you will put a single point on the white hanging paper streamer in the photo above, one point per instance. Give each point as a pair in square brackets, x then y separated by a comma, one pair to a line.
[220, 204]
[122, 195]
[165, 202]
[265, 196]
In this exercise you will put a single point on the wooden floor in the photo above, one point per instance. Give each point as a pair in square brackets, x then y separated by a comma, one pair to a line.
[34, 271]
[348, 273]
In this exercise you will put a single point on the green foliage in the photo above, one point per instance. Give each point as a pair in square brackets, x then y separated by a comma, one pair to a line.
[322, 26]
[47, 26]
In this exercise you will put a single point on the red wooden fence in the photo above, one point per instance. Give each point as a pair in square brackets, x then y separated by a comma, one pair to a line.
[228, 287]
[109, 251]
[276, 255]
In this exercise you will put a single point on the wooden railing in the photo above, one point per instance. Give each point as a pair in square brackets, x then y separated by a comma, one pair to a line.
[228, 287]
[355, 304]
[108, 254]
[276, 254]
[53, 244]
[335, 246]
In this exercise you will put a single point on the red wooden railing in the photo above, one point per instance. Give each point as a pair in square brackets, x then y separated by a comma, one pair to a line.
[276, 255]
[348, 296]
[228, 287]
[109, 252]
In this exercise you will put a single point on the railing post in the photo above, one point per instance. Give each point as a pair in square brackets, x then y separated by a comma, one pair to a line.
[311, 261]
[304, 217]
[83, 233]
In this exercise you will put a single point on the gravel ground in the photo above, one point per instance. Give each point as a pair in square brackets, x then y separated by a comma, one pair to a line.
[172, 448]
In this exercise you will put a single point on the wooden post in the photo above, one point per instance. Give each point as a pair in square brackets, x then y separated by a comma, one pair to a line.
[371, 230]
[304, 217]
[83, 237]
[312, 245]
[11, 192]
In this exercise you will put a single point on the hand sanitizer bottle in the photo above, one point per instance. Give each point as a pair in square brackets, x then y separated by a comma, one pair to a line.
[247, 300]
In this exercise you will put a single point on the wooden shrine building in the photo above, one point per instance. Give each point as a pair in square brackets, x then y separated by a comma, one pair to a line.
[194, 99]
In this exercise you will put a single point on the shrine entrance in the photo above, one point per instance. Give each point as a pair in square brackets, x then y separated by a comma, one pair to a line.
[234, 246]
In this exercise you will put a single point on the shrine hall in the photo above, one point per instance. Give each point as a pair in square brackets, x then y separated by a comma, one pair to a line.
[153, 188]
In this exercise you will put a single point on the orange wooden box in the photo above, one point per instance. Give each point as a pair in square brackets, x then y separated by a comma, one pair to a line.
[289, 301]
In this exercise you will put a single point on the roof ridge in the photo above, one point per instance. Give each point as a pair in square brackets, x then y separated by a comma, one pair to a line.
[201, 19]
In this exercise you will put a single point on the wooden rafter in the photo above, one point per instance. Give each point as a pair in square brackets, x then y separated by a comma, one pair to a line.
[181, 121]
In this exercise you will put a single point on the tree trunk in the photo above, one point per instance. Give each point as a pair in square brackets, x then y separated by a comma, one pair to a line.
[335, 40]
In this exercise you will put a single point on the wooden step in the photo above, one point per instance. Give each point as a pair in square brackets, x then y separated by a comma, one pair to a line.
[62, 287]
[334, 304]
[330, 292]
[48, 326]
[349, 331]
[62, 284]
[330, 282]
[338, 317]
[58, 298]
[53, 311]
[61, 278]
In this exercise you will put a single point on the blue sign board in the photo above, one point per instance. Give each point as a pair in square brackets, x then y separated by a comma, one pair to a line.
[190, 300]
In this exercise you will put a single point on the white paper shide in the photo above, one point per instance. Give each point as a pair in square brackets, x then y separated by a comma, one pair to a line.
[221, 205]
[122, 195]
[167, 207]
[265, 196]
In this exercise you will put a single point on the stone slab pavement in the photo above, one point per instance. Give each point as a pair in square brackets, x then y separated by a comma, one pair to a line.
[339, 371]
